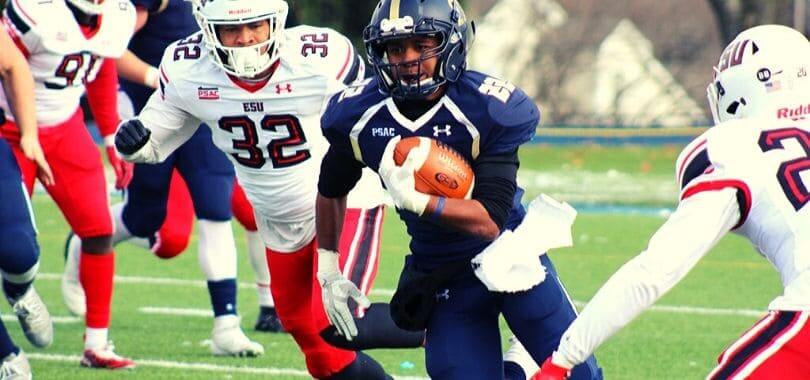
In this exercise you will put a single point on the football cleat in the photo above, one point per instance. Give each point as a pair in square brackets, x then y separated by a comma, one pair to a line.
[72, 291]
[517, 354]
[228, 339]
[15, 367]
[268, 320]
[105, 358]
[34, 318]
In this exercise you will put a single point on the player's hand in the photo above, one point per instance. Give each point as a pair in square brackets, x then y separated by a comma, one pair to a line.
[123, 170]
[399, 180]
[335, 291]
[131, 136]
[33, 151]
[551, 371]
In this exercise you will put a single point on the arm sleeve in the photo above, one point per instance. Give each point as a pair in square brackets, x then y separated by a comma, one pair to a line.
[102, 95]
[165, 116]
[495, 184]
[339, 170]
[692, 230]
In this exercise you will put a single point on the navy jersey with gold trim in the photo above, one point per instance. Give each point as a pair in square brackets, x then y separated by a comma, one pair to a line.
[478, 116]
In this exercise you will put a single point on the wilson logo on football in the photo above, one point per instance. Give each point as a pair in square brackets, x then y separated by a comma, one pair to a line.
[208, 93]
[445, 180]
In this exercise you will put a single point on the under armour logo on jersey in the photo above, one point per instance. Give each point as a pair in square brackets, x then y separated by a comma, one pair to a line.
[444, 294]
[445, 130]
[287, 87]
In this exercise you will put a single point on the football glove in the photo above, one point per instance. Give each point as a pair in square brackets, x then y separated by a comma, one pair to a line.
[399, 180]
[335, 292]
[131, 136]
[551, 371]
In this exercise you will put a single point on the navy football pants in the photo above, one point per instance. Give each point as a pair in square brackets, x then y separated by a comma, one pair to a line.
[207, 172]
[463, 336]
[19, 250]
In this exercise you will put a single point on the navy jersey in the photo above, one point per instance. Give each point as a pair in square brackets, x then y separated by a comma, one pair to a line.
[478, 116]
[169, 20]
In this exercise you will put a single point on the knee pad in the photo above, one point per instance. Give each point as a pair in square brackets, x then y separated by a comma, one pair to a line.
[19, 252]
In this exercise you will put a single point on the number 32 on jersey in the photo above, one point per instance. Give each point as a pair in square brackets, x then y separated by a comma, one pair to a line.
[284, 151]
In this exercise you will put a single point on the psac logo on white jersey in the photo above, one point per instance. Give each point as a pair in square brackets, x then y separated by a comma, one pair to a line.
[401, 24]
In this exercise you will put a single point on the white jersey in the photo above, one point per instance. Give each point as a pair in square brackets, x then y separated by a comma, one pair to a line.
[768, 162]
[270, 130]
[748, 176]
[62, 58]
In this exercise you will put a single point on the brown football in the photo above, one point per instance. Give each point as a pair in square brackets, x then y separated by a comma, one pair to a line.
[445, 171]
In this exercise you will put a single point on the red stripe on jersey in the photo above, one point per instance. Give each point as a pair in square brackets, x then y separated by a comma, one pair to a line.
[22, 12]
[722, 184]
[346, 62]
[689, 157]
[163, 75]
[12, 32]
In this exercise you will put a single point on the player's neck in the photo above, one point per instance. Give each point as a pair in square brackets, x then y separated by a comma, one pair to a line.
[82, 18]
[413, 109]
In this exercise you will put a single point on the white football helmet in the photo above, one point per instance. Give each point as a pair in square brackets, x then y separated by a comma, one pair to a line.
[248, 61]
[90, 7]
[764, 68]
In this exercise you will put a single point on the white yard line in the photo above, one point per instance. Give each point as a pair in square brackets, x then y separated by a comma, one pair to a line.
[675, 309]
[197, 366]
[183, 311]
[59, 320]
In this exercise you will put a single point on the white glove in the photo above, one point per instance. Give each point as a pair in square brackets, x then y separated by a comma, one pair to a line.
[335, 292]
[502, 267]
[510, 263]
[399, 180]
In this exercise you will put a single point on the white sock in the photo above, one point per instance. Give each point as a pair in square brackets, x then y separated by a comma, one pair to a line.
[217, 250]
[120, 231]
[95, 339]
[258, 260]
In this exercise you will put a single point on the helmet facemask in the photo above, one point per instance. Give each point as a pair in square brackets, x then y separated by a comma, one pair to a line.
[244, 61]
[396, 77]
[88, 7]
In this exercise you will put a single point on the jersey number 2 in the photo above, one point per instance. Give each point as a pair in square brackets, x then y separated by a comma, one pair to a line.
[275, 148]
[789, 174]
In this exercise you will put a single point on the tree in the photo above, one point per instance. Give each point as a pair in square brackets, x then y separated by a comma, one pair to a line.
[734, 16]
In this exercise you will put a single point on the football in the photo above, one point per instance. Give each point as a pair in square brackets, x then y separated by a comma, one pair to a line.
[445, 172]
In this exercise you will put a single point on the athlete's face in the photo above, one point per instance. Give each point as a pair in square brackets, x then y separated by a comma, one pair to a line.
[405, 53]
[243, 35]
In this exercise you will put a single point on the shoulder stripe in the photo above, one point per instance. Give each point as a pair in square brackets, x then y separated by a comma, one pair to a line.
[688, 158]
[743, 194]
[346, 61]
[354, 72]
[19, 21]
[695, 168]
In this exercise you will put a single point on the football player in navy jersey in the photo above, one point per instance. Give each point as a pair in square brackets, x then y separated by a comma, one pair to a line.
[418, 49]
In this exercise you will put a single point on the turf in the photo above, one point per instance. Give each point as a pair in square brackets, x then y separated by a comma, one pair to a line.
[658, 345]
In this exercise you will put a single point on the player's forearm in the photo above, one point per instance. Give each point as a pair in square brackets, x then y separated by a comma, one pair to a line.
[329, 214]
[674, 250]
[102, 95]
[133, 69]
[18, 83]
[467, 215]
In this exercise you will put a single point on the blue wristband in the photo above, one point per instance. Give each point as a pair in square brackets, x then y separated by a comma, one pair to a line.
[438, 210]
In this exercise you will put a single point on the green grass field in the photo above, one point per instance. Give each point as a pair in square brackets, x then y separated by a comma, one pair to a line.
[680, 339]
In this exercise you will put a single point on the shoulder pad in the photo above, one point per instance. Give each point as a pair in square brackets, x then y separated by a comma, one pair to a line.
[175, 64]
[324, 50]
[724, 144]
[514, 115]
[348, 106]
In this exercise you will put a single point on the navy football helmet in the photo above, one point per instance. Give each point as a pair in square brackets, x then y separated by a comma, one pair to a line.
[397, 19]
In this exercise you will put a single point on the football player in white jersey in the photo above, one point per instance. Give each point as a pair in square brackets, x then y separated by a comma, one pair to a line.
[261, 90]
[749, 175]
[70, 46]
